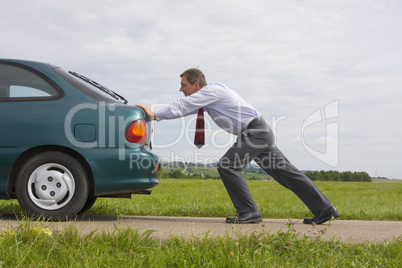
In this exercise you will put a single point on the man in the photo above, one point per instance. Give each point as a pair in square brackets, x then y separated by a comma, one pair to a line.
[255, 141]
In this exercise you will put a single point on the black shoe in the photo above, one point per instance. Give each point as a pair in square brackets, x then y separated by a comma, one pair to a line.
[323, 216]
[246, 217]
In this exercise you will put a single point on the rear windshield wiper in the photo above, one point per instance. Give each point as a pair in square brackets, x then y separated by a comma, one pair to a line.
[104, 89]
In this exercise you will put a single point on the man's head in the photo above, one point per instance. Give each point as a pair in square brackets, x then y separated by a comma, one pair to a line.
[192, 80]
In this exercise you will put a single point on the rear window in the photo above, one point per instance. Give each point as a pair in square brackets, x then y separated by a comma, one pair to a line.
[21, 84]
[90, 87]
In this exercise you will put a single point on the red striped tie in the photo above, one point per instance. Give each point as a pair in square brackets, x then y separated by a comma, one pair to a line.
[199, 139]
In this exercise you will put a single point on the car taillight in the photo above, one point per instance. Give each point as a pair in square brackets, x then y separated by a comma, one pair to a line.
[137, 132]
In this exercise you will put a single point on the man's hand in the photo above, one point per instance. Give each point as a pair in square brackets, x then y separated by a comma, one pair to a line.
[148, 111]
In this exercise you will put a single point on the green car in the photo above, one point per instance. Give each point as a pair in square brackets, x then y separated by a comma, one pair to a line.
[66, 140]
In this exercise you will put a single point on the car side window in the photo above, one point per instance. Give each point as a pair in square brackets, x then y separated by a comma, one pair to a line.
[17, 84]
[23, 92]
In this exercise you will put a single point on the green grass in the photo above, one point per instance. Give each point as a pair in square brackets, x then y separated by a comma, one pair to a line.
[213, 172]
[208, 198]
[33, 245]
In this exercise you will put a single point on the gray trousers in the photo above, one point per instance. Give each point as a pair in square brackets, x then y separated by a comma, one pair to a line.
[257, 142]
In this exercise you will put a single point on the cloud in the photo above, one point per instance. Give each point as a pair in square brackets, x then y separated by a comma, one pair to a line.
[286, 58]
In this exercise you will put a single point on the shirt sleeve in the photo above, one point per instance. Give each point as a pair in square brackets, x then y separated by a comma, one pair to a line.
[187, 105]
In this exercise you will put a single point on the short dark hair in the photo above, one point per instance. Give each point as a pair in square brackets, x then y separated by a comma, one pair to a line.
[194, 75]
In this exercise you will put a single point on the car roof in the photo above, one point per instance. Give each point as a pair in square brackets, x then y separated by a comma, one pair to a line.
[55, 76]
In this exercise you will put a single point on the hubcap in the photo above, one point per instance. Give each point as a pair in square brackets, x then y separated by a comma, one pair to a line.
[51, 186]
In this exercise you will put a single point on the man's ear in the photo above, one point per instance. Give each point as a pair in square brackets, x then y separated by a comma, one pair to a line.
[197, 86]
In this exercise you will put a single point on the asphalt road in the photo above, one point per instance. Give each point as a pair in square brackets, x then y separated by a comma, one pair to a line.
[347, 231]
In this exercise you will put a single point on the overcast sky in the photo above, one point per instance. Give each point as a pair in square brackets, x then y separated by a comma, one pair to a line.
[327, 75]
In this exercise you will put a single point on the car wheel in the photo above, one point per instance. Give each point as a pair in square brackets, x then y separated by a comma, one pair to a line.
[90, 202]
[52, 184]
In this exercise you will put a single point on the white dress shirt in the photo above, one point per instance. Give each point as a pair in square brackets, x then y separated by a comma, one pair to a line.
[228, 110]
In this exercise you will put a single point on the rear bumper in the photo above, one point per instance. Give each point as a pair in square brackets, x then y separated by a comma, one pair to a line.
[115, 172]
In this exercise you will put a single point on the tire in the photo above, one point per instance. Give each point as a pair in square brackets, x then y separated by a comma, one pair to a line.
[52, 185]
[90, 202]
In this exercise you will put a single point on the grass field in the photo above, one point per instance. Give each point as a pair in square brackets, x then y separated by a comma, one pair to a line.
[33, 245]
[208, 198]
[213, 172]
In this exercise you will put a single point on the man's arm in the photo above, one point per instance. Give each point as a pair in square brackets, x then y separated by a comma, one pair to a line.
[148, 111]
[183, 106]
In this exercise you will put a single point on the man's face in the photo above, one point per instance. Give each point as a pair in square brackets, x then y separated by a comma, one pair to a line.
[188, 88]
